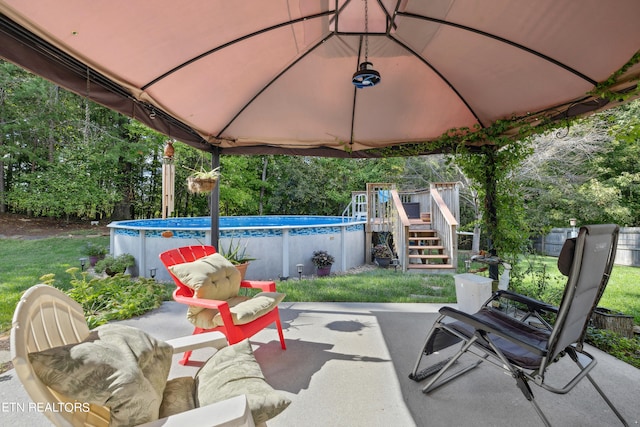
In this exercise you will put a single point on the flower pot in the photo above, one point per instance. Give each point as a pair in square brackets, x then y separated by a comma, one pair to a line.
[620, 323]
[324, 271]
[201, 185]
[242, 268]
[93, 259]
[383, 262]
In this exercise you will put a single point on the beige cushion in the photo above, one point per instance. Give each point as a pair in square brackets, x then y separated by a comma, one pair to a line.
[179, 396]
[214, 277]
[247, 310]
[116, 366]
[210, 277]
[243, 310]
[234, 371]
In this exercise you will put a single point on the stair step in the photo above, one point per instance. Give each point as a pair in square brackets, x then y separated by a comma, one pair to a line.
[429, 266]
[418, 239]
[429, 256]
[426, 248]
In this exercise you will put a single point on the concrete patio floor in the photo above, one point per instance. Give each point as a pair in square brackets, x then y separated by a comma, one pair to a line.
[346, 364]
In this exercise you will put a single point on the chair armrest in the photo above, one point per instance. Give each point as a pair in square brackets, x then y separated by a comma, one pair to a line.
[202, 302]
[532, 304]
[233, 412]
[216, 340]
[266, 286]
[221, 306]
[480, 325]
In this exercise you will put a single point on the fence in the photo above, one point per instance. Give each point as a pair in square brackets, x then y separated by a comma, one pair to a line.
[628, 252]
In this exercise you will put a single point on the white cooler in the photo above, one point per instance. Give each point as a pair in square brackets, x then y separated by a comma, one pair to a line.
[472, 291]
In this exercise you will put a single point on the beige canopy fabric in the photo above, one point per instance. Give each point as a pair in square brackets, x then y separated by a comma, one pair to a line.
[274, 76]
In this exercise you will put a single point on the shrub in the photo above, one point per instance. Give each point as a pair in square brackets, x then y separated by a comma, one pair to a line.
[93, 249]
[625, 349]
[114, 265]
[322, 259]
[112, 298]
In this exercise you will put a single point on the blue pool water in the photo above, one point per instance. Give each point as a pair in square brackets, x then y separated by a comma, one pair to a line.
[233, 222]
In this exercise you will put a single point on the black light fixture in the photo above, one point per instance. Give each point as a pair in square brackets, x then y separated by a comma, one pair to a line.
[83, 262]
[366, 76]
[152, 272]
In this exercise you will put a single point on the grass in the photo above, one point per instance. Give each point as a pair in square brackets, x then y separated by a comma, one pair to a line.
[545, 282]
[23, 262]
[379, 285]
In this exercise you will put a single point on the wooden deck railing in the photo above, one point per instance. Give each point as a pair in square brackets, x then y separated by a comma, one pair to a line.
[386, 213]
[445, 223]
[400, 229]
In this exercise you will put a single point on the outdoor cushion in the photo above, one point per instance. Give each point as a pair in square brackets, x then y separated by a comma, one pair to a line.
[246, 311]
[179, 396]
[565, 259]
[116, 366]
[234, 371]
[243, 310]
[211, 277]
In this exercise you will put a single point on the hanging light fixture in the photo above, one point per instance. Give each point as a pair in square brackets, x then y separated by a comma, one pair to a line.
[366, 76]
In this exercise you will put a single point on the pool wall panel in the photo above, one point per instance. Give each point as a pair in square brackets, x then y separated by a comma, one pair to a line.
[278, 250]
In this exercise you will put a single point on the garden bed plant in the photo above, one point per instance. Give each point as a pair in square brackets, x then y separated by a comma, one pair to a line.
[117, 297]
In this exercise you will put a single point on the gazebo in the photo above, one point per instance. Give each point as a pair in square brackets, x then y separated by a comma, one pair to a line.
[344, 78]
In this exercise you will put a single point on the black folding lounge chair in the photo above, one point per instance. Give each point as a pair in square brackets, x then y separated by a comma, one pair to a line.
[524, 336]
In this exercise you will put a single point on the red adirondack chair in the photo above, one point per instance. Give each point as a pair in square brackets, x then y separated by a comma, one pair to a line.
[185, 295]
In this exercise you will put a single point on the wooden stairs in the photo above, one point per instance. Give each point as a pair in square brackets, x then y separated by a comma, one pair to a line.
[426, 251]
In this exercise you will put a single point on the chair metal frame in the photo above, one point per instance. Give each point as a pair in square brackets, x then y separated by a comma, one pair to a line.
[185, 295]
[527, 344]
[45, 317]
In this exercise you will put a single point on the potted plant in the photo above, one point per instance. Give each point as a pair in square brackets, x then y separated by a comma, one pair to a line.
[203, 181]
[114, 265]
[94, 252]
[237, 255]
[323, 261]
[382, 255]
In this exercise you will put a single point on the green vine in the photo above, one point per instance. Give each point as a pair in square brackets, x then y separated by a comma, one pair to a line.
[603, 89]
[508, 131]
[488, 155]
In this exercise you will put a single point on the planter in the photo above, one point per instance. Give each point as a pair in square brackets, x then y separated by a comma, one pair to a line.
[93, 259]
[242, 268]
[324, 271]
[620, 323]
[203, 181]
[383, 262]
[201, 185]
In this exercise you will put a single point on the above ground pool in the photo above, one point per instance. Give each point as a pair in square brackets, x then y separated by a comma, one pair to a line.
[278, 243]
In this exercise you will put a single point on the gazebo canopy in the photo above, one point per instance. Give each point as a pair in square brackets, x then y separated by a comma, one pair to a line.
[275, 76]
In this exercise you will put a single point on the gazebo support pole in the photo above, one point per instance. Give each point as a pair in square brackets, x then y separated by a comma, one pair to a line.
[490, 205]
[215, 201]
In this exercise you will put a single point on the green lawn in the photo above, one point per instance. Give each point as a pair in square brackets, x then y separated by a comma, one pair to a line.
[23, 262]
[621, 295]
[378, 285]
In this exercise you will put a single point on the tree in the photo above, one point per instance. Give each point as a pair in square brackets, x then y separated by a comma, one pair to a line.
[588, 172]
[491, 173]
